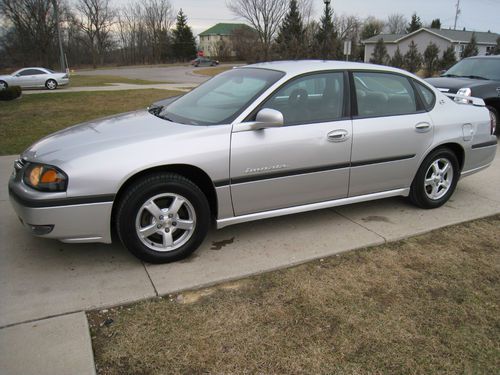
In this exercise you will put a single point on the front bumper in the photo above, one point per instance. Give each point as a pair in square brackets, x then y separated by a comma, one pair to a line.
[88, 222]
[62, 81]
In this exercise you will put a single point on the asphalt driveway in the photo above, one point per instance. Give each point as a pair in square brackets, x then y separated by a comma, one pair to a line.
[41, 279]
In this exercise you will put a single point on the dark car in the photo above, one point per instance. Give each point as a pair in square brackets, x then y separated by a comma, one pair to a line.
[477, 76]
[204, 61]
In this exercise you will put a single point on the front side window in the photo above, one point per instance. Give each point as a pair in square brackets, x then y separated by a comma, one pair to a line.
[310, 99]
[221, 99]
[25, 72]
[383, 94]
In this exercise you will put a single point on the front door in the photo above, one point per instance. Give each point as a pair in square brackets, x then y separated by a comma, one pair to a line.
[391, 132]
[306, 160]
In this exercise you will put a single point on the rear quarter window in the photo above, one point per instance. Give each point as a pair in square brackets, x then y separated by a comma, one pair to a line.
[427, 96]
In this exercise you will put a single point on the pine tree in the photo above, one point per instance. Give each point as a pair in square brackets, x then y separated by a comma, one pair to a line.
[449, 58]
[184, 45]
[496, 50]
[436, 24]
[471, 48]
[431, 59]
[379, 55]
[291, 34]
[397, 60]
[327, 45]
[415, 24]
[412, 58]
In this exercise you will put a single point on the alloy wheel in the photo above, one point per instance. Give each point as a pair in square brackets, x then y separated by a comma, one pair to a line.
[438, 178]
[165, 222]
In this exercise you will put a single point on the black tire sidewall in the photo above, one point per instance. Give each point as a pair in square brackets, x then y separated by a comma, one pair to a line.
[47, 84]
[140, 193]
[5, 84]
[418, 194]
[495, 113]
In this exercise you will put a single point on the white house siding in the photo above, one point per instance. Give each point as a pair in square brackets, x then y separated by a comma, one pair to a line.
[422, 39]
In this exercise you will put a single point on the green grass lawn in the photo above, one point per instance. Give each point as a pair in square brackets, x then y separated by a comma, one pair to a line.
[426, 305]
[25, 120]
[78, 80]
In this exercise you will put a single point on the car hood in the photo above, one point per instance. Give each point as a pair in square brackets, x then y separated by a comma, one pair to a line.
[455, 83]
[104, 135]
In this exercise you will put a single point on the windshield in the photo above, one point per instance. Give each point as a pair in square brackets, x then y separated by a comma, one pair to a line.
[221, 99]
[476, 68]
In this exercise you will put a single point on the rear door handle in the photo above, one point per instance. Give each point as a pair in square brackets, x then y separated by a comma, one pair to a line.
[339, 135]
[423, 127]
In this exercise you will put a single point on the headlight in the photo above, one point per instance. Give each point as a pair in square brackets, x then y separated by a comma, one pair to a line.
[45, 177]
[463, 92]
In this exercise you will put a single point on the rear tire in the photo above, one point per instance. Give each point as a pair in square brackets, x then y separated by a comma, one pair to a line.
[51, 84]
[162, 218]
[436, 179]
[494, 112]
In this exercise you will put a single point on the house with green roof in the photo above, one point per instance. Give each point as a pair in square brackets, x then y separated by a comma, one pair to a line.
[443, 38]
[220, 34]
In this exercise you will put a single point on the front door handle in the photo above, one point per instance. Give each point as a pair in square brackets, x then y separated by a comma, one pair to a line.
[339, 135]
[423, 127]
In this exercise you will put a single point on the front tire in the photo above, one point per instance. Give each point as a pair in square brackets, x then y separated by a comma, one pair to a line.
[51, 84]
[163, 218]
[436, 179]
[3, 85]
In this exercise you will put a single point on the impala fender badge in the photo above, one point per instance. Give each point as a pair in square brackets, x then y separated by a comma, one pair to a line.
[264, 169]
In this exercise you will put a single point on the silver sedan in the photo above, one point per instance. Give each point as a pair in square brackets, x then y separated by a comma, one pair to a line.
[33, 78]
[254, 142]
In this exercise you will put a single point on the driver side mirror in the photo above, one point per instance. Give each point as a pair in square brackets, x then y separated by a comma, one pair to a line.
[266, 118]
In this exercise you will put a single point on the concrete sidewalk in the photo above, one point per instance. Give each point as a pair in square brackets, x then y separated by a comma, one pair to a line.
[43, 278]
[117, 87]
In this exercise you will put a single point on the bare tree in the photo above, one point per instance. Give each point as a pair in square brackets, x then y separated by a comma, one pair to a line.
[396, 24]
[306, 9]
[159, 18]
[264, 15]
[245, 44]
[96, 18]
[348, 27]
[31, 30]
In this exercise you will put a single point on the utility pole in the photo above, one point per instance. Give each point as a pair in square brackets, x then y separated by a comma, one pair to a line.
[457, 12]
[61, 53]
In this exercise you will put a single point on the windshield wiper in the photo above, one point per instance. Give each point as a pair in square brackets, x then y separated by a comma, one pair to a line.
[474, 77]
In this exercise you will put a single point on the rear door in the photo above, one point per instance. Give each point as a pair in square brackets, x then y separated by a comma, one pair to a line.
[391, 132]
[304, 161]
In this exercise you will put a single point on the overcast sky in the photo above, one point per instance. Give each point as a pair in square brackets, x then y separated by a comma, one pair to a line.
[478, 15]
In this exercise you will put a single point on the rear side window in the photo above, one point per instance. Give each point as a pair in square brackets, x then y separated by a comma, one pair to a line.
[383, 94]
[427, 96]
[310, 99]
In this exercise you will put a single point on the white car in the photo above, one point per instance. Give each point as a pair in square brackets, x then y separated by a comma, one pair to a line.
[34, 77]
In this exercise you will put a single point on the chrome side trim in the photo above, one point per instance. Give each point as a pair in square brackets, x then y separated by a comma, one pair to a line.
[221, 223]
[475, 170]
[83, 240]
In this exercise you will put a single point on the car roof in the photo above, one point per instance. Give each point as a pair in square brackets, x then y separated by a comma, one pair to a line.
[295, 67]
[35, 67]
